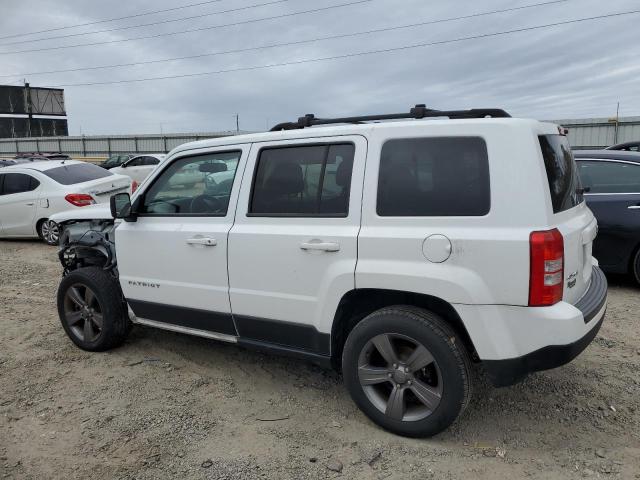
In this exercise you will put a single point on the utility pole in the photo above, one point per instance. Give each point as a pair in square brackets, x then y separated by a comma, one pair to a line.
[237, 123]
[615, 135]
[28, 106]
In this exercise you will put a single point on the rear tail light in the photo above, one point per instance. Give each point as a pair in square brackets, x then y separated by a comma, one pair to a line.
[547, 268]
[134, 186]
[79, 199]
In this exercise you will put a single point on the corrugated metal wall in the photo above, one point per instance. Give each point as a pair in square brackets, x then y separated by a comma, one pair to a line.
[102, 146]
[601, 132]
[583, 134]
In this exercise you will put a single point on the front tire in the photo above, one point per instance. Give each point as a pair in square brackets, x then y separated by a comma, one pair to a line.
[407, 370]
[92, 310]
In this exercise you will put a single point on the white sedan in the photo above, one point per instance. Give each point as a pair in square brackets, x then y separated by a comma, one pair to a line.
[31, 193]
[138, 168]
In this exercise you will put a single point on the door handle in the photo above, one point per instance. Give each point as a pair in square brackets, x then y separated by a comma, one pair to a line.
[634, 207]
[322, 246]
[206, 241]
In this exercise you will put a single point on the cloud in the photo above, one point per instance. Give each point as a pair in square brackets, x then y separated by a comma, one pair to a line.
[578, 70]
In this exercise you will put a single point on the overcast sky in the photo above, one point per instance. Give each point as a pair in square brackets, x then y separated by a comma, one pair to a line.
[568, 71]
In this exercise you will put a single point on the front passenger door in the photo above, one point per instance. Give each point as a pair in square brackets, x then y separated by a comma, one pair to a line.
[18, 199]
[172, 261]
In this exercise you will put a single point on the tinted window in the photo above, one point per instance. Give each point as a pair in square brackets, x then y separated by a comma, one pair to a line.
[562, 173]
[186, 187]
[312, 180]
[136, 162]
[17, 183]
[609, 177]
[441, 176]
[76, 173]
[150, 161]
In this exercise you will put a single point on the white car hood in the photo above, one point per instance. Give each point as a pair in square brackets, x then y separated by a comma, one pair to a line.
[99, 211]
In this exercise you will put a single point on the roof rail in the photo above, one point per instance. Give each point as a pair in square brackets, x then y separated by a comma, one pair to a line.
[419, 111]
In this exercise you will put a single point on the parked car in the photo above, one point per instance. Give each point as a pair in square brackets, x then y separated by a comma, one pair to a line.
[115, 161]
[400, 274]
[42, 156]
[7, 163]
[31, 193]
[613, 182]
[627, 147]
[139, 167]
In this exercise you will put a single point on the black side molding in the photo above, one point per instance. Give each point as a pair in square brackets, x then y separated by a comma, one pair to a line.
[284, 334]
[184, 317]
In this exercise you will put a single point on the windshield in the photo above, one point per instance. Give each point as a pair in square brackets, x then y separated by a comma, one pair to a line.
[77, 173]
[562, 173]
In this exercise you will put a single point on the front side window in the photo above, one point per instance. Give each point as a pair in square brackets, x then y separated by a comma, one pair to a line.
[307, 180]
[11, 183]
[609, 177]
[435, 176]
[193, 186]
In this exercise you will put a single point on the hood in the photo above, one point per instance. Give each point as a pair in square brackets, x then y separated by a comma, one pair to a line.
[99, 211]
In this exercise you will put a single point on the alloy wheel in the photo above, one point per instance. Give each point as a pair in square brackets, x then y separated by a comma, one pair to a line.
[82, 313]
[50, 232]
[400, 377]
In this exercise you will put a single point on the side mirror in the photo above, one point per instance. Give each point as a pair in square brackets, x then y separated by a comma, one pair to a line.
[120, 204]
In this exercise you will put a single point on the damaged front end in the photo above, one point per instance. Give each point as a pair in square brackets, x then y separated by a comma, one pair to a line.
[87, 243]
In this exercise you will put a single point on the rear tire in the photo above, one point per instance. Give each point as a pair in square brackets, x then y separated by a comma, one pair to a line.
[49, 232]
[419, 386]
[92, 310]
[635, 267]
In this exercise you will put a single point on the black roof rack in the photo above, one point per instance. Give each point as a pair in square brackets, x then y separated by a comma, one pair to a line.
[419, 111]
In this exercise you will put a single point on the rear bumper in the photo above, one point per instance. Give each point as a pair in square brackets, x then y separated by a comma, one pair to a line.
[592, 306]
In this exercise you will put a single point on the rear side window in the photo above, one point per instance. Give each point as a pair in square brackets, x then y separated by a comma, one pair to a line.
[437, 176]
[11, 183]
[562, 173]
[150, 161]
[76, 173]
[310, 180]
[609, 177]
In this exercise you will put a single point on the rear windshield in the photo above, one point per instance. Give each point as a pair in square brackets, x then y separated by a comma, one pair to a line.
[76, 173]
[562, 173]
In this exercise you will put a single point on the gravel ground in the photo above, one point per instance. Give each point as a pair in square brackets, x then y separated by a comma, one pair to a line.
[167, 405]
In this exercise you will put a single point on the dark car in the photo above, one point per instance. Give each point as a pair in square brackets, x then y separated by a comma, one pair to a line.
[613, 182]
[626, 147]
[115, 161]
[7, 163]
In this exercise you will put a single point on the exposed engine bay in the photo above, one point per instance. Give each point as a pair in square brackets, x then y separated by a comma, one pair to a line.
[87, 243]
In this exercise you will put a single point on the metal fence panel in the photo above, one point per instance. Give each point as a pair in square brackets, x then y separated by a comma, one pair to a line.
[101, 145]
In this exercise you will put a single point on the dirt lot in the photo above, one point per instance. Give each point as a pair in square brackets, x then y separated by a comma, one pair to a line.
[167, 405]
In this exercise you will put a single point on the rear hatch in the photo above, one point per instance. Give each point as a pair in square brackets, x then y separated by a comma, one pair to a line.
[570, 214]
[87, 178]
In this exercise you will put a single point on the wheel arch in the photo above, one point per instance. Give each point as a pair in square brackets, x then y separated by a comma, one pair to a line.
[39, 224]
[356, 304]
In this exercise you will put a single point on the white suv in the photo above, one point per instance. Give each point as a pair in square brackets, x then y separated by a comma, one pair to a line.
[397, 251]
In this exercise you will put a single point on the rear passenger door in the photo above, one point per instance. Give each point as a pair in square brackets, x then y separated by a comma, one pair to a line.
[293, 246]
